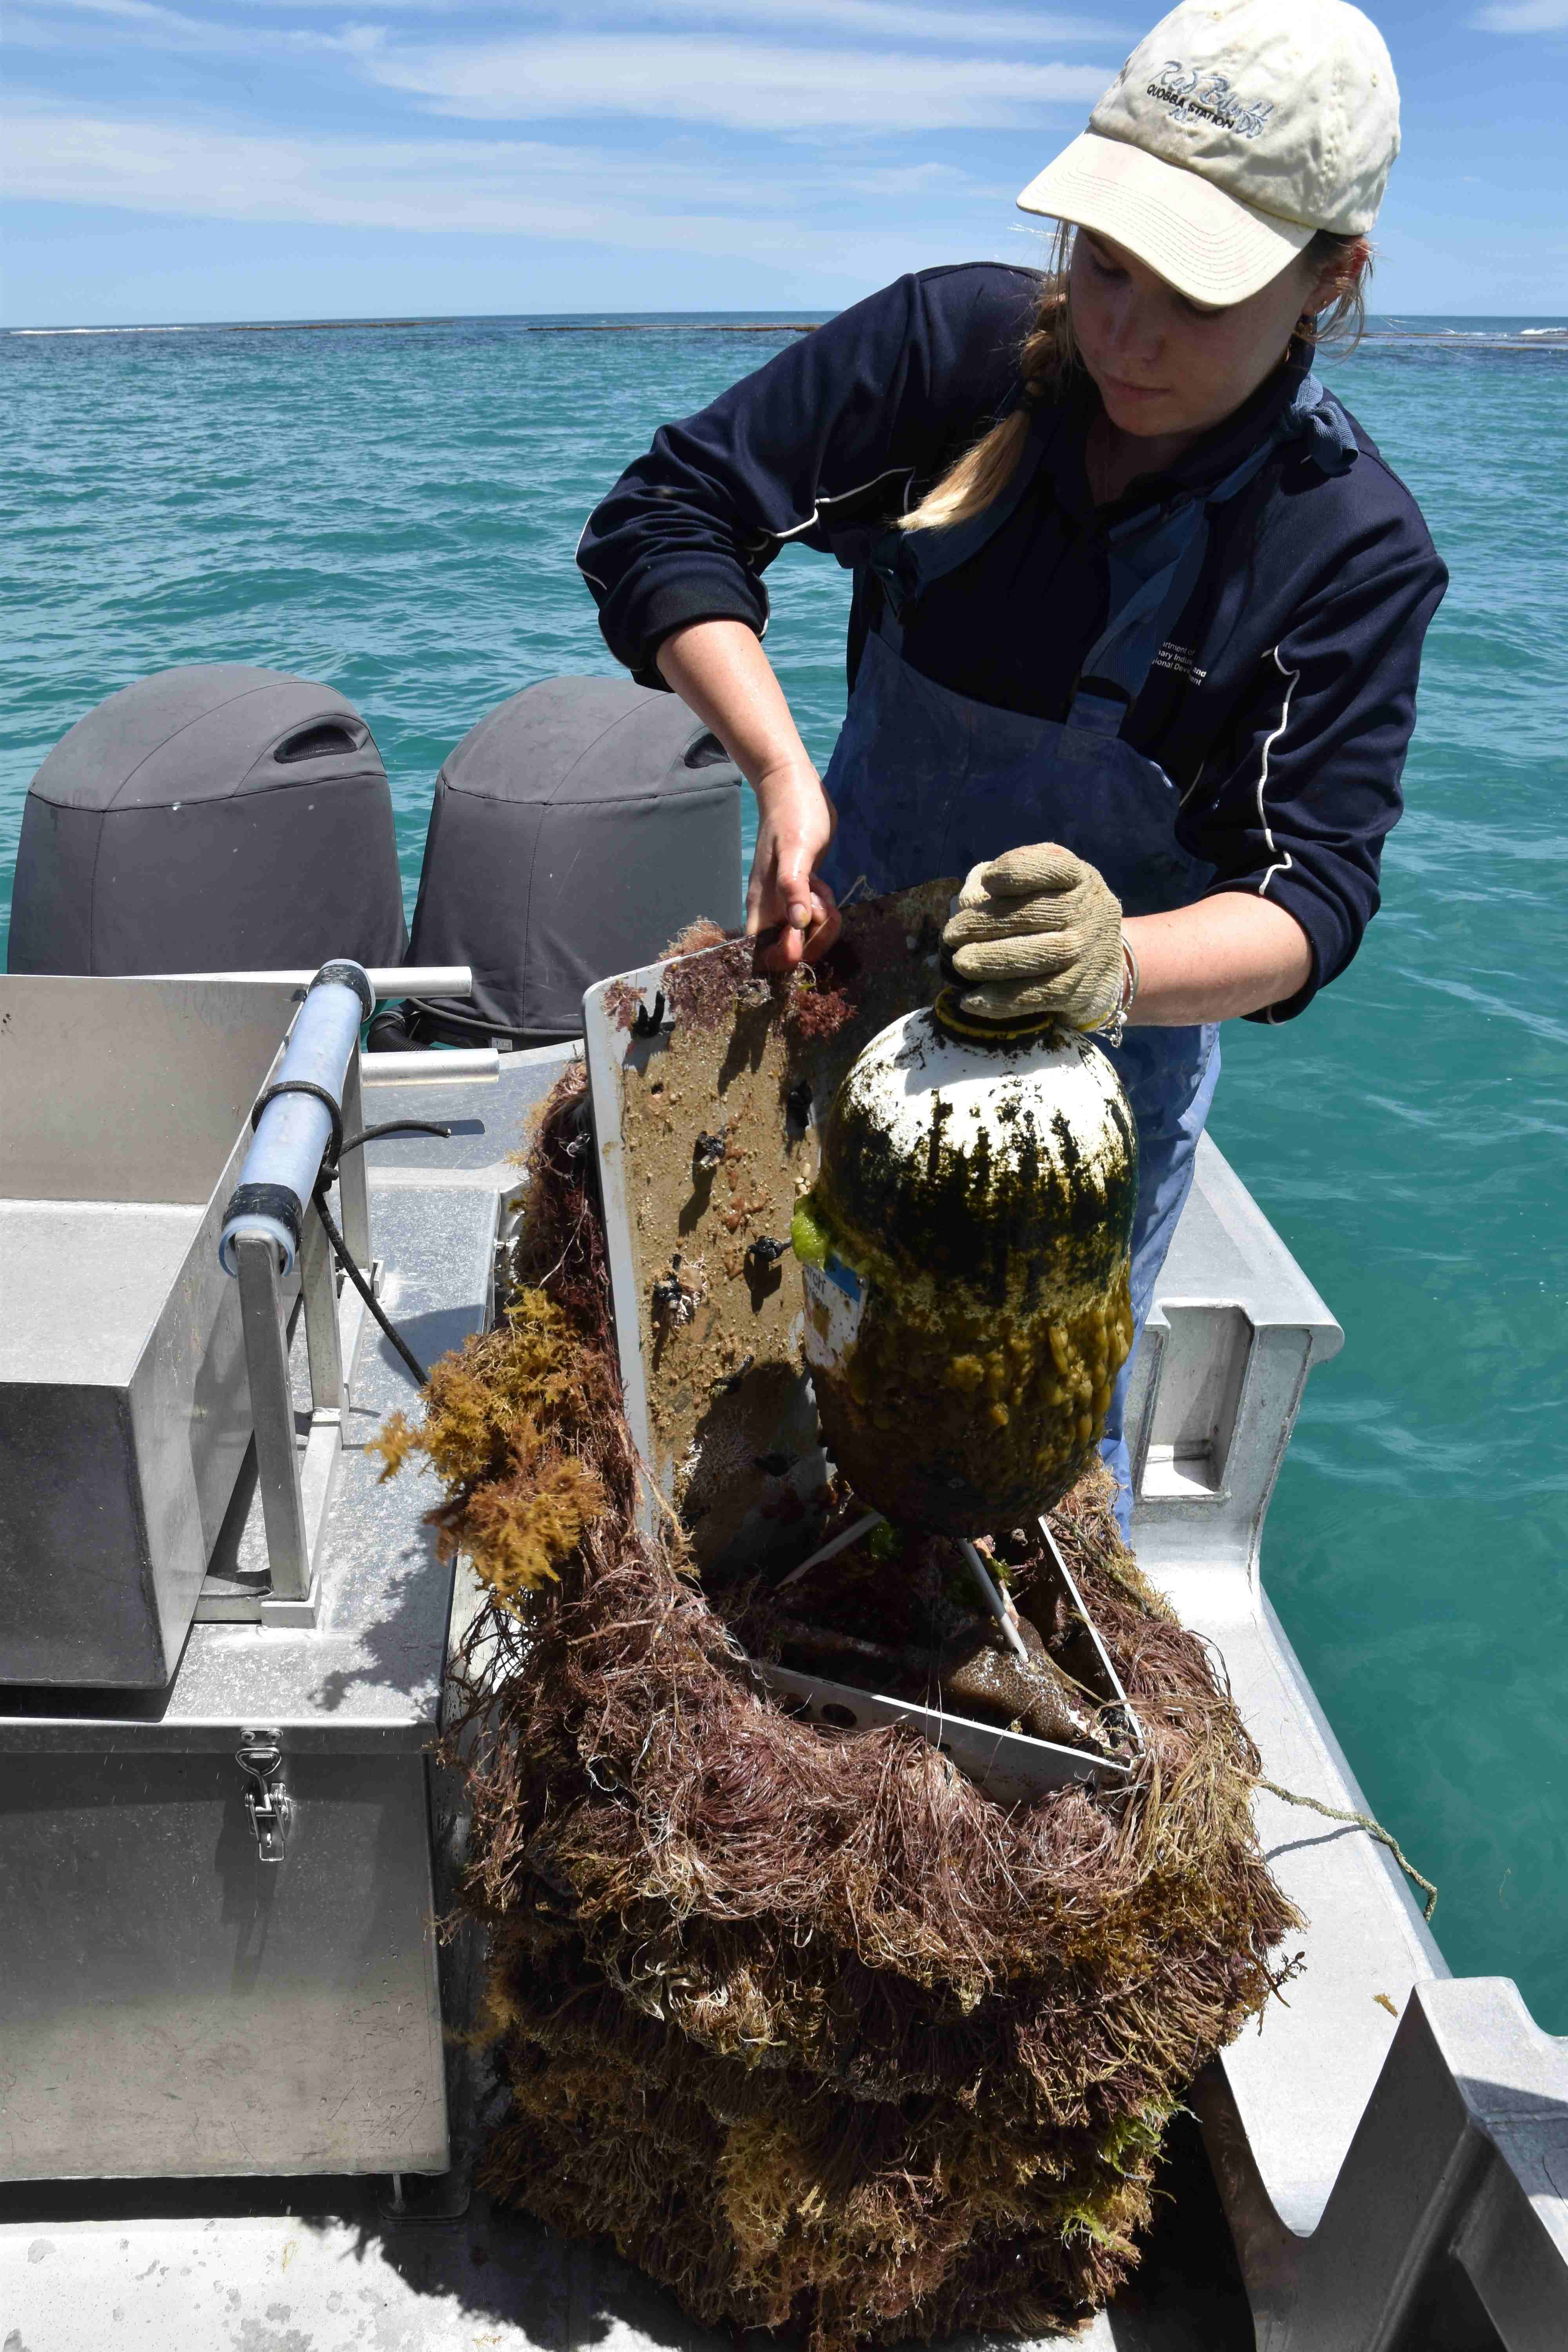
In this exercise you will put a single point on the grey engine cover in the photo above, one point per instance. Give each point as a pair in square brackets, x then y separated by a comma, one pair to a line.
[575, 832]
[217, 818]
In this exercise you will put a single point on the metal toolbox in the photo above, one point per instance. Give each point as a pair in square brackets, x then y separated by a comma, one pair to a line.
[190, 2008]
[218, 1951]
[124, 1410]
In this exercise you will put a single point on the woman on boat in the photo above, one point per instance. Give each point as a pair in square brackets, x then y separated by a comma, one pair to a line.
[1138, 607]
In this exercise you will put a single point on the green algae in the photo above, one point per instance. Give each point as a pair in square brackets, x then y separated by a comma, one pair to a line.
[811, 1238]
[956, 1409]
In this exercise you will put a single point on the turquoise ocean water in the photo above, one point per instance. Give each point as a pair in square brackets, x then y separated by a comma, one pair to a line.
[395, 511]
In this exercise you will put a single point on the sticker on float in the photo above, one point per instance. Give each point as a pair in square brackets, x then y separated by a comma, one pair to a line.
[834, 1303]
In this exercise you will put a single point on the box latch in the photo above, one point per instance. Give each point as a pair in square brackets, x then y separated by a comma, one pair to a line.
[260, 1758]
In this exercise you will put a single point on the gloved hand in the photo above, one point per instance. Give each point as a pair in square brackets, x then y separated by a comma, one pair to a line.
[1038, 934]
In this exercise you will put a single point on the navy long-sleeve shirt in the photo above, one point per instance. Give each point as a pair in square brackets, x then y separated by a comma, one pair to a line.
[1282, 704]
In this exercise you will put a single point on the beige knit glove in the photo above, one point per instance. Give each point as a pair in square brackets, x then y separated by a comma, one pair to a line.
[1038, 934]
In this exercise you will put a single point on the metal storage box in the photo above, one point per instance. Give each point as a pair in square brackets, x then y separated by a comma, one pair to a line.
[190, 2011]
[217, 1901]
[124, 1410]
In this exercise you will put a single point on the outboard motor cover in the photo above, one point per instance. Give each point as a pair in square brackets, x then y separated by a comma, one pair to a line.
[575, 832]
[217, 818]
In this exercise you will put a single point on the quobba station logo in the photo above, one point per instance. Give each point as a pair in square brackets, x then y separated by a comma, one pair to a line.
[1195, 97]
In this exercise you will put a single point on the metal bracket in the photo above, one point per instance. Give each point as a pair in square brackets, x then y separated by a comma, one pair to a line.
[259, 1756]
[248, 1588]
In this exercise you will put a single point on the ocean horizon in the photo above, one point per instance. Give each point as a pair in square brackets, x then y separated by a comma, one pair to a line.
[1380, 324]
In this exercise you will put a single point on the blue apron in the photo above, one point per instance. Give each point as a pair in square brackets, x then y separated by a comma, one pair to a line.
[927, 782]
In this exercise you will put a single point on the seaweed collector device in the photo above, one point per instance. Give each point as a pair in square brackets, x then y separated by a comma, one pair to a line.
[965, 1241]
[965, 1254]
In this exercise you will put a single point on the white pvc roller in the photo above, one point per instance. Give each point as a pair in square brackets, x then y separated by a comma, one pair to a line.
[294, 1130]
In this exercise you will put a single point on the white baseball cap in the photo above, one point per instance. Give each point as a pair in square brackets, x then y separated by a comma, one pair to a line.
[1233, 134]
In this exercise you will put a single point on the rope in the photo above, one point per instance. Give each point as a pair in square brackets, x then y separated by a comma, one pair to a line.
[1361, 1822]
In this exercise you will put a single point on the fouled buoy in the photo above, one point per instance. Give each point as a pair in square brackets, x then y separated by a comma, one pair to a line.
[966, 1258]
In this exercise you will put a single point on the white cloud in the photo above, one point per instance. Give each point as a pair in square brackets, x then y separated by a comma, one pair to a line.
[139, 12]
[136, 20]
[517, 188]
[52, 25]
[942, 180]
[825, 183]
[1523, 16]
[751, 77]
[737, 83]
[1024, 27]
[997, 27]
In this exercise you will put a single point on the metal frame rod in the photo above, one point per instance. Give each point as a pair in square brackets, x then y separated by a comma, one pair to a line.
[841, 1542]
[986, 1584]
[300, 1115]
[436, 1067]
[353, 1178]
[984, 1581]
[318, 1283]
[387, 979]
[272, 1416]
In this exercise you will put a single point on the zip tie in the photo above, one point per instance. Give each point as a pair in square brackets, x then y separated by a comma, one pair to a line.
[1130, 958]
[1361, 1822]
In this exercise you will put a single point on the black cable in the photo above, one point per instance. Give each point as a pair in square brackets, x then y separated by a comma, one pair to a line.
[474, 1021]
[340, 1251]
[390, 1126]
[340, 1246]
[305, 1086]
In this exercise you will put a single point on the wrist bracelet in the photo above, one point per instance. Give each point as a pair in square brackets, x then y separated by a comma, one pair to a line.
[1131, 976]
[1115, 1021]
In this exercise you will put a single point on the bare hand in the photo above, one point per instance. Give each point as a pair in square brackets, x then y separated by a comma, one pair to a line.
[786, 894]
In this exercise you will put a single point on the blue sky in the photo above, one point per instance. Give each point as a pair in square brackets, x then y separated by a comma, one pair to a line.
[307, 157]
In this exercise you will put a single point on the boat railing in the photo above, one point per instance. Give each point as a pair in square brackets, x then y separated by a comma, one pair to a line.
[1392, 2142]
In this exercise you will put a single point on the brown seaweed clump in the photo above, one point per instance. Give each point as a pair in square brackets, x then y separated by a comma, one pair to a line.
[501, 1421]
[819, 2035]
[519, 1423]
[822, 999]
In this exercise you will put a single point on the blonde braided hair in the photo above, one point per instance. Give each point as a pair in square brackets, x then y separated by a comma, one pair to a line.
[983, 472]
